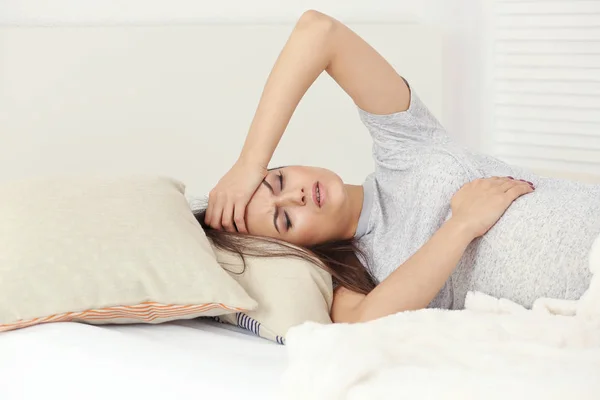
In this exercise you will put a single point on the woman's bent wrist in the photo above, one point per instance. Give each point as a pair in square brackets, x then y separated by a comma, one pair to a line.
[253, 161]
[461, 229]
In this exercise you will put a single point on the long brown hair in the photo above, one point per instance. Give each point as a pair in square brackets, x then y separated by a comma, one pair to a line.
[339, 258]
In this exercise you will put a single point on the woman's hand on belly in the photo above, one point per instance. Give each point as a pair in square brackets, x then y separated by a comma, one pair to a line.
[413, 285]
[479, 204]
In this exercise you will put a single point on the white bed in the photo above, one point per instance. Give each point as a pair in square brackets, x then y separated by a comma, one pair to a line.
[169, 100]
[185, 359]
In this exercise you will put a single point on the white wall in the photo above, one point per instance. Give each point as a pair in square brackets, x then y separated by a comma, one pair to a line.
[169, 100]
[459, 19]
[157, 11]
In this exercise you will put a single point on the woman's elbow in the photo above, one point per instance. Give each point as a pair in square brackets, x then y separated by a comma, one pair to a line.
[348, 306]
[362, 311]
[316, 21]
[352, 316]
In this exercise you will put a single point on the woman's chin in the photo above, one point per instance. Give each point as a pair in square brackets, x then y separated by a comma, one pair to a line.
[336, 196]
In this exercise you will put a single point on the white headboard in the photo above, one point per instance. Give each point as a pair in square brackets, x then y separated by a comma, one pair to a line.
[178, 100]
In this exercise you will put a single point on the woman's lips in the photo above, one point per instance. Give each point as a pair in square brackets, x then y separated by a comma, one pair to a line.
[320, 199]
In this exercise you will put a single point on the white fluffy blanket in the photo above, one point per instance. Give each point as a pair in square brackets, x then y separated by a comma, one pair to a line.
[495, 349]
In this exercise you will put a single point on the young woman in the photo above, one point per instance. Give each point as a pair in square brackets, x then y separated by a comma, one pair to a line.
[432, 222]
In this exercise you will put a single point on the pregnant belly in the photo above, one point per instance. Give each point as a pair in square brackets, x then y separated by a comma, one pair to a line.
[539, 248]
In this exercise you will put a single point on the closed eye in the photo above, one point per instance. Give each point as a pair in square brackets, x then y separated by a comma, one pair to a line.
[288, 222]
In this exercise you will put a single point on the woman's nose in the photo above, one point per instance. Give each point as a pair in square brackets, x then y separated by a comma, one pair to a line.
[295, 197]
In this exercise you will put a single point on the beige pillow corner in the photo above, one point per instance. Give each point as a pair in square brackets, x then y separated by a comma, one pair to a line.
[289, 292]
[100, 251]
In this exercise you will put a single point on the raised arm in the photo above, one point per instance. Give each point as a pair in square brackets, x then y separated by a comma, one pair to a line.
[318, 43]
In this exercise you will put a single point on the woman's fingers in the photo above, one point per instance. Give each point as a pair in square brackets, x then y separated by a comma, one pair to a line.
[216, 214]
[227, 217]
[222, 214]
[225, 214]
[505, 182]
[215, 222]
[509, 184]
[517, 191]
[529, 183]
[217, 218]
[238, 217]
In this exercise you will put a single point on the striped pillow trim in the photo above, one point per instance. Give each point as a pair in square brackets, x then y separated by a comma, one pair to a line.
[247, 322]
[140, 313]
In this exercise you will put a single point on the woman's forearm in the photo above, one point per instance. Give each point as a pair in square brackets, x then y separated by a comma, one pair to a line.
[304, 57]
[414, 284]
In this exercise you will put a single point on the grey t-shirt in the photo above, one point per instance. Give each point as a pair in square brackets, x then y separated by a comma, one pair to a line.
[539, 248]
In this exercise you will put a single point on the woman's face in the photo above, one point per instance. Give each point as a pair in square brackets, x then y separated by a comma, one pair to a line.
[300, 205]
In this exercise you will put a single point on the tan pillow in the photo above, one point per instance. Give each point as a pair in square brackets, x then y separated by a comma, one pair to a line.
[107, 251]
[289, 291]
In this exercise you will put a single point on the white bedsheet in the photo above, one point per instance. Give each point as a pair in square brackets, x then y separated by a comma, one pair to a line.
[180, 360]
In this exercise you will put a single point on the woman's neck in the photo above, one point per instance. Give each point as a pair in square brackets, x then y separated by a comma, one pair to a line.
[355, 204]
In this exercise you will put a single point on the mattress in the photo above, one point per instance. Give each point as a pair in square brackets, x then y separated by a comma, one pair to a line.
[196, 359]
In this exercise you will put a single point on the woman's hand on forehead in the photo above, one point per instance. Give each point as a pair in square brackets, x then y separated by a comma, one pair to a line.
[227, 201]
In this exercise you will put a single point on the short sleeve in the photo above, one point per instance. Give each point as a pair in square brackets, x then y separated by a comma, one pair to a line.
[399, 136]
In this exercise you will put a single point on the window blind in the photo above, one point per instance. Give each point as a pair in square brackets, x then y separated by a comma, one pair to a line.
[546, 84]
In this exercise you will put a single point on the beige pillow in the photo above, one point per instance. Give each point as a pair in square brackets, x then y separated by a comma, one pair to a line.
[289, 291]
[107, 251]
